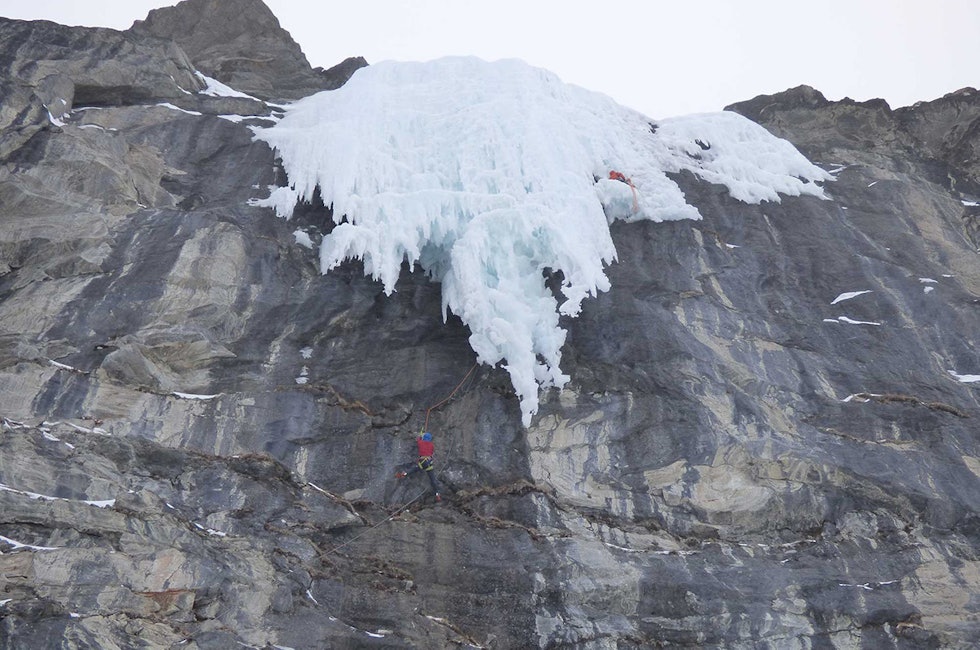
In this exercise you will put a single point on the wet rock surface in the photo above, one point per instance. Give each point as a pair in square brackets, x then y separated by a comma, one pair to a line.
[200, 431]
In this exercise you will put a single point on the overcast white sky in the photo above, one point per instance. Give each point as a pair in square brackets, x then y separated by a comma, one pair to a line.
[662, 58]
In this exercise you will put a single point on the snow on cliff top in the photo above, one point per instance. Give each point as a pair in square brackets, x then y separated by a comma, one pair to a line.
[485, 175]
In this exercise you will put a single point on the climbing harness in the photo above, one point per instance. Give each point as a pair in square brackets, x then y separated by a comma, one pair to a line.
[622, 178]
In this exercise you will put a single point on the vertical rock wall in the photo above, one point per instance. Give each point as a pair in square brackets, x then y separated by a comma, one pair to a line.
[199, 431]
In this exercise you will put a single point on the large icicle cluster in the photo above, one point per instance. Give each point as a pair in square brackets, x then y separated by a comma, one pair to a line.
[485, 175]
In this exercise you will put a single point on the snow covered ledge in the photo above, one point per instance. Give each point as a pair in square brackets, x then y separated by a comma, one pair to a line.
[486, 174]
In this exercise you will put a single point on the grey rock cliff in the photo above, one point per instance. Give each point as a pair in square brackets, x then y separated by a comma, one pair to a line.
[48, 68]
[199, 431]
[241, 44]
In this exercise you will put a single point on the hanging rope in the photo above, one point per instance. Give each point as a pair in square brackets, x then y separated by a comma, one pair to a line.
[438, 404]
[383, 521]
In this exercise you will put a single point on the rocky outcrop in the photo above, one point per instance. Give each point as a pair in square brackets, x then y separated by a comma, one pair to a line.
[769, 439]
[241, 44]
[940, 132]
[46, 69]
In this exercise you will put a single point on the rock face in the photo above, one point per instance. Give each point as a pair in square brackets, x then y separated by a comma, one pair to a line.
[199, 431]
[241, 44]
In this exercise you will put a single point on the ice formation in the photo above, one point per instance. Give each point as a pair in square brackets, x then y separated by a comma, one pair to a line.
[490, 175]
[215, 88]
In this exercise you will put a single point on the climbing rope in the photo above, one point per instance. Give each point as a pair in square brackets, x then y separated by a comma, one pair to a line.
[383, 521]
[438, 404]
[622, 178]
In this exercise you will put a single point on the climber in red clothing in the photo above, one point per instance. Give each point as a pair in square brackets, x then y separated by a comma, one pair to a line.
[623, 178]
[619, 176]
[426, 450]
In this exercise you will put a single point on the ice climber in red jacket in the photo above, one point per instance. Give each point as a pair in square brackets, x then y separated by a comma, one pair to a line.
[424, 463]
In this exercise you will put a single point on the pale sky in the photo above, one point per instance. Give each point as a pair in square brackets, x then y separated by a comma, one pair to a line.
[661, 58]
